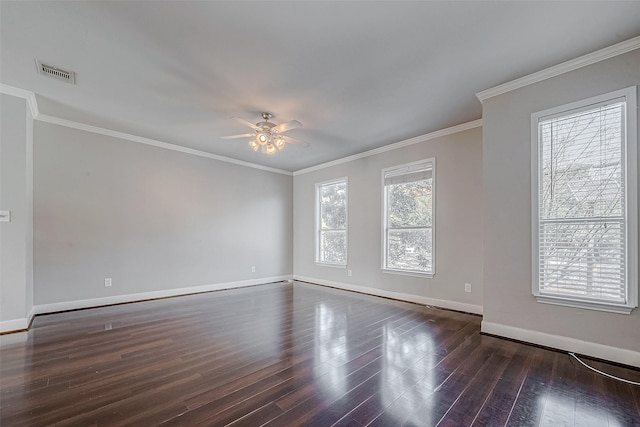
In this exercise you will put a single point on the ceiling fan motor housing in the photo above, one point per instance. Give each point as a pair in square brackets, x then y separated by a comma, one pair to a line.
[266, 126]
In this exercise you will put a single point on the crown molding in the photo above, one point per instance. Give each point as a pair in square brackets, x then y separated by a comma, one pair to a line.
[565, 67]
[147, 141]
[30, 97]
[411, 141]
[27, 95]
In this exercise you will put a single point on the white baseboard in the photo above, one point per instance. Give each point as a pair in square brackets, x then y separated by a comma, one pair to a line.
[17, 324]
[452, 305]
[14, 325]
[600, 351]
[30, 316]
[118, 299]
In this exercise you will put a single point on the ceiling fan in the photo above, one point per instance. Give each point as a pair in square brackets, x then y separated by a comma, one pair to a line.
[268, 137]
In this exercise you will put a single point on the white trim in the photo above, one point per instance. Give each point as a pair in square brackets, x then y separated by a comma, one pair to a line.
[15, 91]
[589, 305]
[33, 105]
[14, 325]
[452, 305]
[585, 104]
[411, 273]
[31, 315]
[27, 95]
[416, 140]
[565, 67]
[29, 264]
[588, 348]
[633, 170]
[535, 205]
[118, 299]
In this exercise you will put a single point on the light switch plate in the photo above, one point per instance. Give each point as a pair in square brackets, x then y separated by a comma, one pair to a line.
[5, 216]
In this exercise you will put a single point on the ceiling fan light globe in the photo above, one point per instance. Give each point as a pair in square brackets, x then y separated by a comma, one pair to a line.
[254, 145]
[279, 142]
[270, 148]
[262, 138]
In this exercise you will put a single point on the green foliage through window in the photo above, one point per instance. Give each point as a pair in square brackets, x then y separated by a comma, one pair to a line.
[408, 231]
[332, 222]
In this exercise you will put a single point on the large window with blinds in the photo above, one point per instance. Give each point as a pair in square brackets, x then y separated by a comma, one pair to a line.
[331, 223]
[584, 186]
[408, 221]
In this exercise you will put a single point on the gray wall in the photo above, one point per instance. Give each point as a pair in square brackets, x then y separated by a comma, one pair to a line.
[149, 218]
[507, 207]
[458, 220]
[16, 261]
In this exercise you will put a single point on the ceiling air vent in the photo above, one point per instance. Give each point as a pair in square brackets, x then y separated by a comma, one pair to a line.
[58, 73]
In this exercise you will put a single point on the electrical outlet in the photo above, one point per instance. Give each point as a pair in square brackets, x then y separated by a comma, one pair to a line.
[107, 282]
[349, 273]
[253, 268]
[467, 287]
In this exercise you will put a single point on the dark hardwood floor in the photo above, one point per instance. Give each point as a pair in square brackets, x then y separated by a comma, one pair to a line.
[294, 354]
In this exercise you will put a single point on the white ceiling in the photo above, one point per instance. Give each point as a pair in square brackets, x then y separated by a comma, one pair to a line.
[358, 75]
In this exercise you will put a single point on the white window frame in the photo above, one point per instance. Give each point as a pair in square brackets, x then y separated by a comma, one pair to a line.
[408, 167]
[317, 223]
[630, 156]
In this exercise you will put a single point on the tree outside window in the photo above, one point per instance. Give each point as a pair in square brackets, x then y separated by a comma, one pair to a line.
[331, 232]
[408, 222]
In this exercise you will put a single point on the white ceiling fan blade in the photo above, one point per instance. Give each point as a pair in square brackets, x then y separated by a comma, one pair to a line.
[286, 126]
[244, 135]
[295, 141]
[251, 125]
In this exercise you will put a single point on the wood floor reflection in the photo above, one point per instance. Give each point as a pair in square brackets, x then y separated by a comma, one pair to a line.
[294, 354]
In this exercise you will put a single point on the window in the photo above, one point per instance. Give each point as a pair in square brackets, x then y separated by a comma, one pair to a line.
[331, 223]
[408, 218]
[584, 188]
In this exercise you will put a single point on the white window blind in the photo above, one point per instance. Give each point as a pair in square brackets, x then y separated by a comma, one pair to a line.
[408, 218]
[582, 212]
[331, 222]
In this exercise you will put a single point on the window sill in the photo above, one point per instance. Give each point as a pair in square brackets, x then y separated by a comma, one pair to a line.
[589, 305]
[326, 264]
[408, 273]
